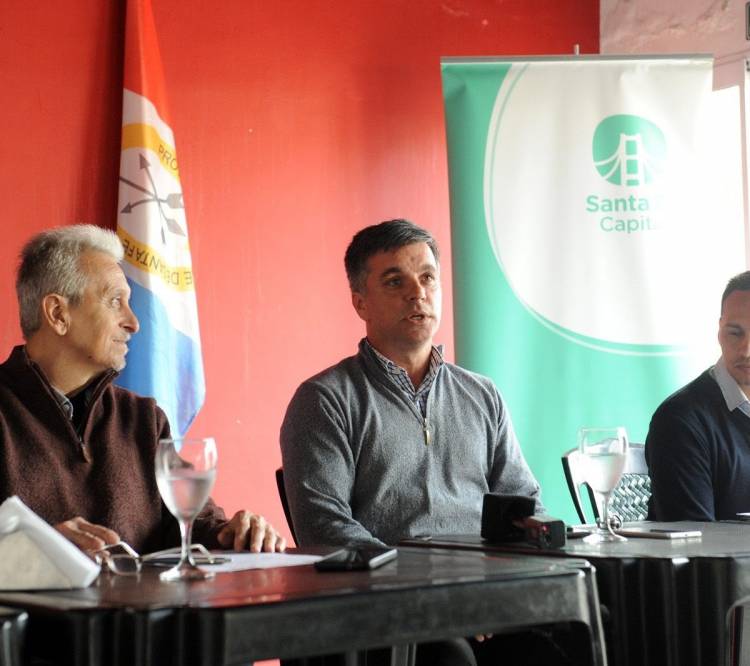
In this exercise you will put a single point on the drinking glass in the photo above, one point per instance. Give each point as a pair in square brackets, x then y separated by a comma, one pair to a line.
[604, 453]
[185, 474]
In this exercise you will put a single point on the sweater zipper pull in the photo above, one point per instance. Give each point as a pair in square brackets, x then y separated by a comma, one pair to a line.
[426, 429]
[84, 449]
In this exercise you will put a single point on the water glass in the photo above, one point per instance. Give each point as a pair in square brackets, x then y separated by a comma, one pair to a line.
[185, 474]
[604, 454]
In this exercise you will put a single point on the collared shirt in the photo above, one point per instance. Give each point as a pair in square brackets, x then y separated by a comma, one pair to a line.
[64, 402]
[401, 379]
[75, 408]
[734, 396]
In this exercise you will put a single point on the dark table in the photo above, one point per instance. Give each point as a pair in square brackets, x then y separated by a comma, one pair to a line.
[666, 601]
[294, 612]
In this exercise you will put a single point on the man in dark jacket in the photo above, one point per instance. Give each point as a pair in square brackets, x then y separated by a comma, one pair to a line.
[697, 445]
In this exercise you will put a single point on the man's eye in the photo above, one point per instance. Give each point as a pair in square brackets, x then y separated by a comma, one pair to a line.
[393, 282]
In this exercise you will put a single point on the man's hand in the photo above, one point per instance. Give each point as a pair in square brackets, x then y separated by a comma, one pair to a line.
[87, 536]
[250, 531]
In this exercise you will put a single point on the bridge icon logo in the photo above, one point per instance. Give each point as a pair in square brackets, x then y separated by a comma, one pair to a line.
[628, 150]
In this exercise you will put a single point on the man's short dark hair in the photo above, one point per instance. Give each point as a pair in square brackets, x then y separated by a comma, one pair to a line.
[383, 237]
[739, 282]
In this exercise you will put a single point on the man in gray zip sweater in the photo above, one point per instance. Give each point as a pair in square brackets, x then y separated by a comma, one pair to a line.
[395, 442]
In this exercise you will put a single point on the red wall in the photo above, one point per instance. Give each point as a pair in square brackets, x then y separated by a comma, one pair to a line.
[297, 122]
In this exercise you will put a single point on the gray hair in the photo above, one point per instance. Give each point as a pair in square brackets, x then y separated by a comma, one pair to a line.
[50, 265]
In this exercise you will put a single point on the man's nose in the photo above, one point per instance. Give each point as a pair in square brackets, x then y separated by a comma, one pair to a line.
[131, 321]
[417, 291]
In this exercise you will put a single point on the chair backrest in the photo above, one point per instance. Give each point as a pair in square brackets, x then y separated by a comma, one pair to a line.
[629, 501]
[284, 502]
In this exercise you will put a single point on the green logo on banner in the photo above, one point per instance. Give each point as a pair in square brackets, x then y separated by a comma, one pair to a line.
[628, 150]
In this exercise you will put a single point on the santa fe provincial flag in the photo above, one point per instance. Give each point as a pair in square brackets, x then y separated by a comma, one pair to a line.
[164, 360]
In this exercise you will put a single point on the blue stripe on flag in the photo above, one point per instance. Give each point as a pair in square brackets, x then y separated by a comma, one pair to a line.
[163, 362]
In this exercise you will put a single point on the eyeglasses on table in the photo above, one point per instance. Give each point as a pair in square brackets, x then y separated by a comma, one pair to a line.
[122, 559]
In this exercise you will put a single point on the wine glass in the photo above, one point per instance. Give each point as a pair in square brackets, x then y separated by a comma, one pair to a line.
[185, 474]
[604, 453]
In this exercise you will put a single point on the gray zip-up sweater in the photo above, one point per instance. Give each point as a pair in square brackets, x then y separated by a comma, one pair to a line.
[362, 466]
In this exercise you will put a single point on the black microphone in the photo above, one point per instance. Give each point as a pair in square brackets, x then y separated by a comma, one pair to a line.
[511, 518]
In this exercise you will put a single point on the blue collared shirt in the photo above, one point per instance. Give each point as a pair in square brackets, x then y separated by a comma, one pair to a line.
[64, 402]
[75, 407]
[734, 396]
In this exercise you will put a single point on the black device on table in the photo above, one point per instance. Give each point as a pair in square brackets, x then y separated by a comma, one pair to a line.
[511, 518]
[356, 559]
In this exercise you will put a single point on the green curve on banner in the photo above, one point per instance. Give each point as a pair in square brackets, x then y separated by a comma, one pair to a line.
[610, 346]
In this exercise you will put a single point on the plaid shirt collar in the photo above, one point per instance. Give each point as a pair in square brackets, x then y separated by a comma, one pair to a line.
[401, 379]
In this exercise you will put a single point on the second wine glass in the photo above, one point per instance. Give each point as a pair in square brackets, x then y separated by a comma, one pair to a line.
[604, 453]
[185, 474]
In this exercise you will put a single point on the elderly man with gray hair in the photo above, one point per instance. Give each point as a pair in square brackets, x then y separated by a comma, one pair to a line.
[76, 449]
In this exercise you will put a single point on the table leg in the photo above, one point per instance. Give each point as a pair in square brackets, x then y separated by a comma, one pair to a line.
[12, 634]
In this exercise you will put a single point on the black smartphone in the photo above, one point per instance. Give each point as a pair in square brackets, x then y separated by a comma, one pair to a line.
[356, 559]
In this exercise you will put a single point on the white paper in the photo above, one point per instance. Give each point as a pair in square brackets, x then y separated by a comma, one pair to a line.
[243, 561]
[35, 556]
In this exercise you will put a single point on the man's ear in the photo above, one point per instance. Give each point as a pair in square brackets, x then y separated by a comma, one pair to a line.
[56, 313]
[358, 301]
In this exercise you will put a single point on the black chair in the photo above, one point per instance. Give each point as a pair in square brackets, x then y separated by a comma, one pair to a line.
[629, 501]
[284, 502]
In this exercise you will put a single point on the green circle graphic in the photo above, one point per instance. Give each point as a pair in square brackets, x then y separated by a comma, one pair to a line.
[628, 150]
